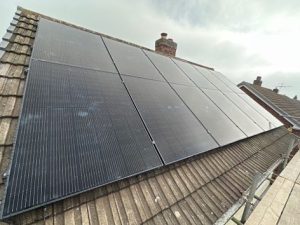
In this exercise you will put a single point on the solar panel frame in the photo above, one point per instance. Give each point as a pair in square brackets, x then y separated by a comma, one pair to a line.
[135, 139]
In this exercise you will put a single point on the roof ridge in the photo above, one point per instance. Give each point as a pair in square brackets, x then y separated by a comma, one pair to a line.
[265, 88]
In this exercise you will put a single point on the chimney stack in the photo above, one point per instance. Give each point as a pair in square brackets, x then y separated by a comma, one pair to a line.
[258, 81]
[276, 90]
[295, 97]
[166, 45]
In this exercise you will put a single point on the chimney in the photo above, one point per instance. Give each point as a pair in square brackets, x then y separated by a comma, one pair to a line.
[165, 45]
[276, 90]
[295, 97]
[258, 81]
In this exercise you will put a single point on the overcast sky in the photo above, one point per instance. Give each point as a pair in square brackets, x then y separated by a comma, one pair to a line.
[242, 39]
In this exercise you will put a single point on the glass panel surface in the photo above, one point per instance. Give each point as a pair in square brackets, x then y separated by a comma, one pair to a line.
[275, 122]
[175, 130]
[211, 76]
[248, 110]
[234, 113]
[132, 60]
[63, 44]
[194, 75]
[169, 69]
[213, 119]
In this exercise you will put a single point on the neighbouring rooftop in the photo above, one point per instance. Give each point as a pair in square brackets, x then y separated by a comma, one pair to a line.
[283, 107]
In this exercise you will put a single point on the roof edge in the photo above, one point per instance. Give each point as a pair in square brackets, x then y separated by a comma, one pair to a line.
[104, 35]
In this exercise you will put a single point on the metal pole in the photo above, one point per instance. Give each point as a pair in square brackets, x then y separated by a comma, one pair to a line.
[286, 157]
[250, 197]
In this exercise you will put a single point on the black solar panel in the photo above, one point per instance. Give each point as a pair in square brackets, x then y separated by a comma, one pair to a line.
[252, 113]
[168, 68]
[194, 75]
[241, 119]
[131, 60]
[78, 130]
[275, 122]
[231, 85]
[204, 108]
[175, 130]
[210, 75]
[66, 45]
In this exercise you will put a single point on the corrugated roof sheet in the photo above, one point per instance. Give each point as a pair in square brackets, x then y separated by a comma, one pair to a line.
[195, 191]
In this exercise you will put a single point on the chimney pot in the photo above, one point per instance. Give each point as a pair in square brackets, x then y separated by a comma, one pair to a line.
[258, 81]
[276, 90]
[164, 35]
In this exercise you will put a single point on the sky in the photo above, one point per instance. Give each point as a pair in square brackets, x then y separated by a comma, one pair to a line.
[242, 39]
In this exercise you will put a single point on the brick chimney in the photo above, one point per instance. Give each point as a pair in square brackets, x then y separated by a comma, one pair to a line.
[258, 81]
[166, 45]
[276, 90]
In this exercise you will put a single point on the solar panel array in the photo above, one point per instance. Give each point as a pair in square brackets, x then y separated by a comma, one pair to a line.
[97, 110]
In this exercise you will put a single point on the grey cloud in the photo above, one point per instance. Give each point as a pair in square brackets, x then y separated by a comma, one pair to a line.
[223, 55]
[230, 14]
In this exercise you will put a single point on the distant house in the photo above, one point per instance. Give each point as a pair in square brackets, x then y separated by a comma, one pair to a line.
[285, 109]
[96, 130]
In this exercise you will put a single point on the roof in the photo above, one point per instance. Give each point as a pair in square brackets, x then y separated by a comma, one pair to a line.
[284, 106]
[198, 190]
